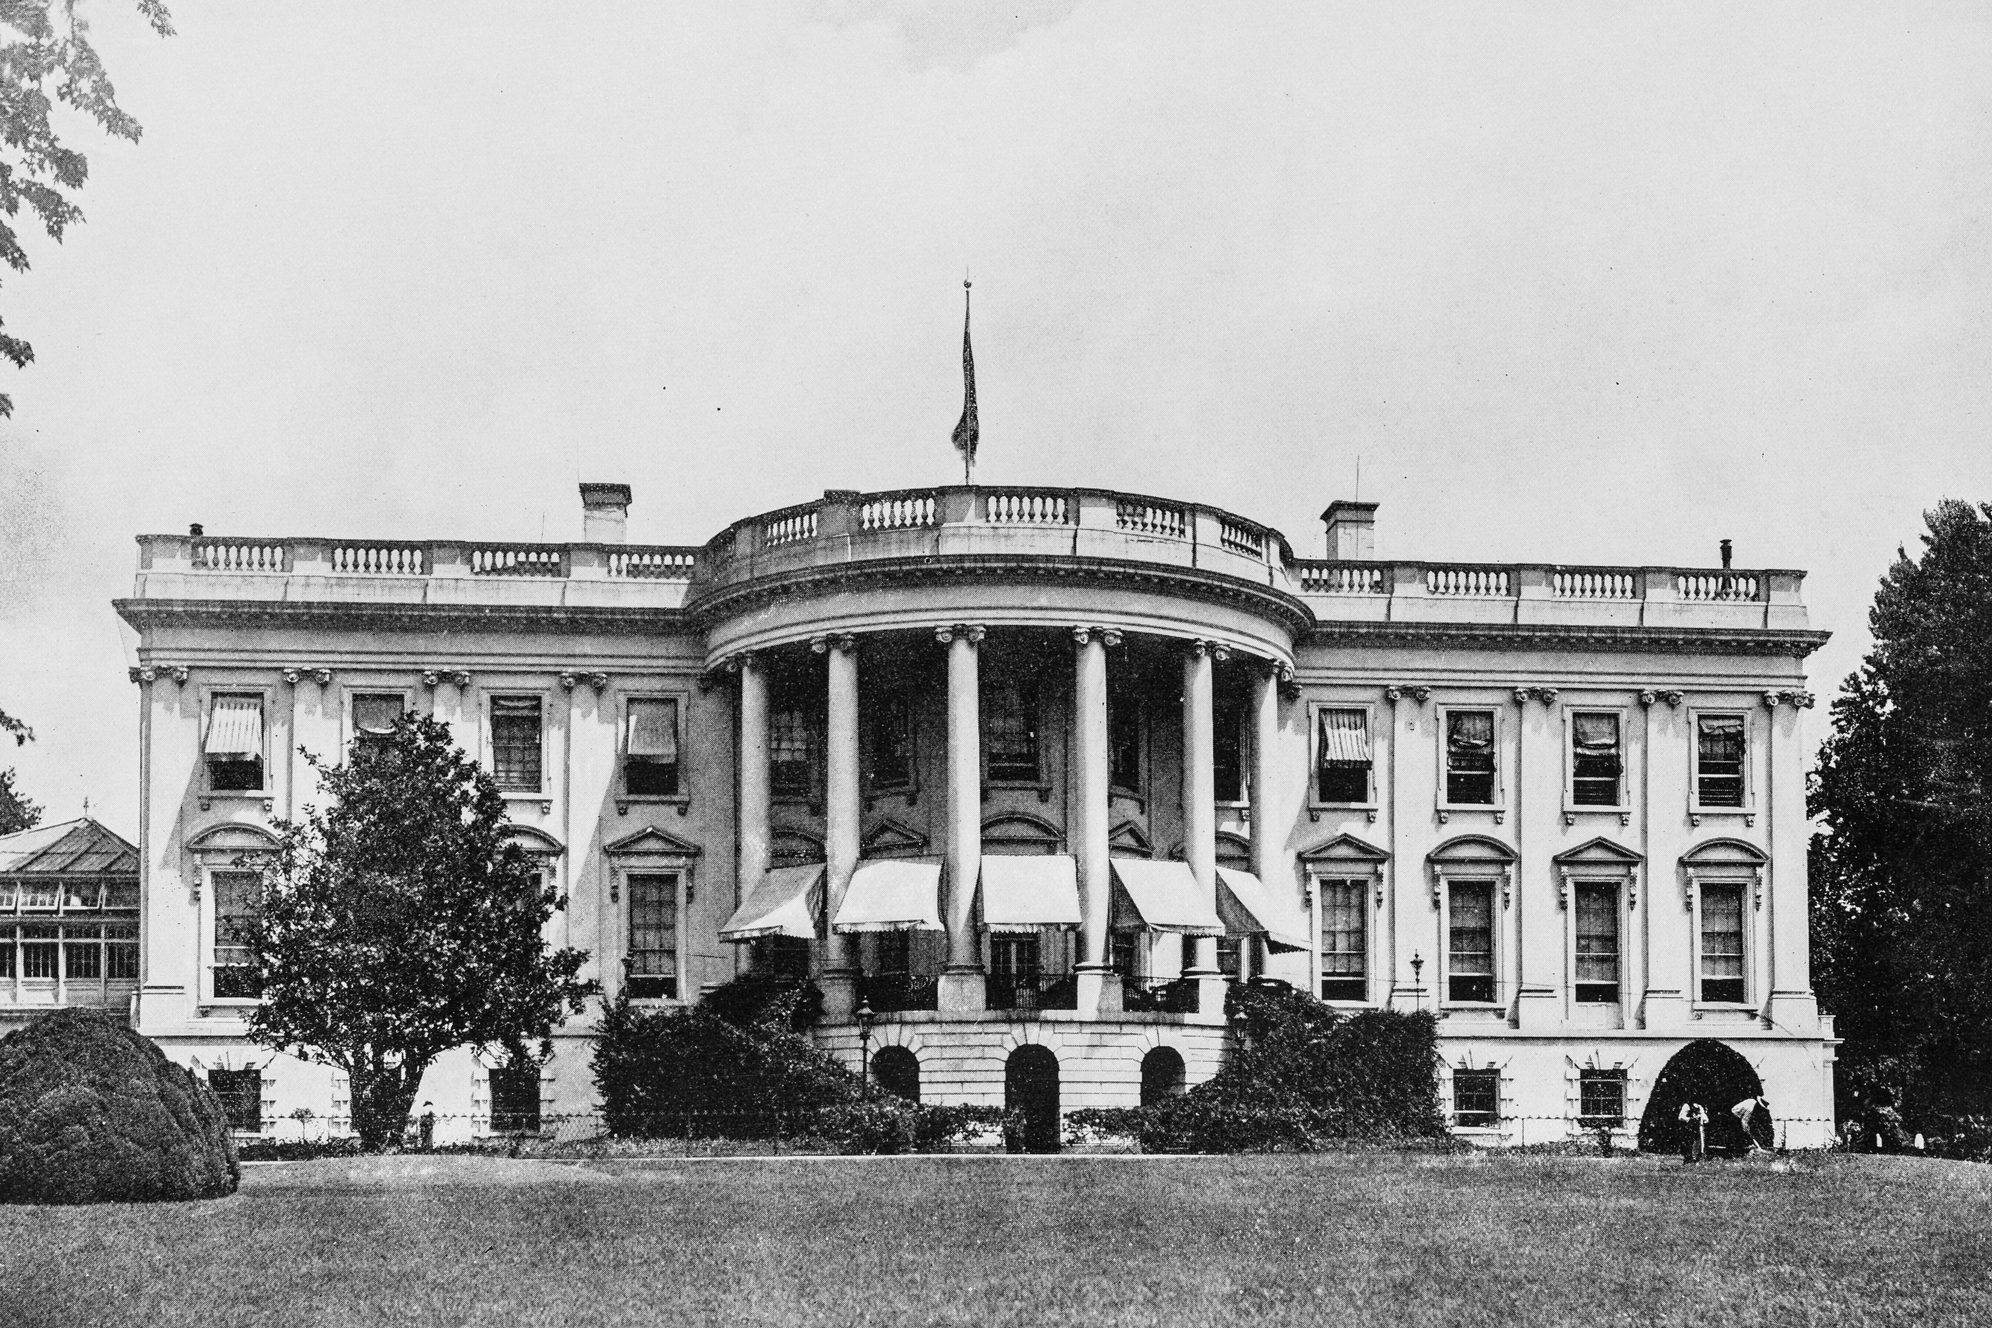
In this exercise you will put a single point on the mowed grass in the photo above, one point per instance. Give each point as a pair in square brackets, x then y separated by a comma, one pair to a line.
[1388, 1240]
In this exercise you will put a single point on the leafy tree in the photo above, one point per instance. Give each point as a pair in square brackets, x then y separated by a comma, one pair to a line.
[17, 810]
[46, 60]
[399, 924]
[1902, 873]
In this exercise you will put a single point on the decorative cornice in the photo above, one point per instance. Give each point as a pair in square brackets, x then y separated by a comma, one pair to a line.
[1551, 636]
[536, 619]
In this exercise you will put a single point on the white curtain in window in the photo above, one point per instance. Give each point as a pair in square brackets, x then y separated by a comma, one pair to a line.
[1595, 735]
[653, 729]
[235, 728]
[1345, 736]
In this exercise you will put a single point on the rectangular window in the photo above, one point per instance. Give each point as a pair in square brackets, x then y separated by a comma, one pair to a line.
[1601, 1098]
[374, 715]
[1342, 756]
[786, 956]
[1231, 956]
[1013, 968]
[82, 953]
[1470, 757]
[234, 741]
[515, 743]
[1124, 743]
[1227, 747]
[235, 895]
[791, 752]
[241, 1094]
[1722, 943]
[6, 952]
[515, 1100]
[1596, 762]
[1344, 940]
[121, 951]
[889, 742]
[653, 936]
[1010, 732]
[38, 951]
[1470, 941]
[37, 896]
[1124, 953]
[1719, 760]
[1597, 942]
[1476, 1098]
[650, 747]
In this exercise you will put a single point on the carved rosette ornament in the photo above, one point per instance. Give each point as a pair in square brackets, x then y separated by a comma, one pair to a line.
[1648, 698]
[1392, 695]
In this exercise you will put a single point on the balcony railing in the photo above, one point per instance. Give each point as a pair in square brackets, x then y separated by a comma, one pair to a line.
[1032, 991]
[888, 993]
[1139, 996]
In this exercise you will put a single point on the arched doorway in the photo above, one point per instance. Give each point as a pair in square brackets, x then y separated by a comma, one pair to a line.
[897, 1071]
[1030, 1088]
[1716, 1076]
[1161, 1075]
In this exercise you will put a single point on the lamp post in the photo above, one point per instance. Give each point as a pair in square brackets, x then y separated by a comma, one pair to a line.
[1418, 978]
[864, 1045]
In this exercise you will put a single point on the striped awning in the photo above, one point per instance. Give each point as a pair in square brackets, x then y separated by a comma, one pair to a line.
[1249, 909]
[1025, 891]
[1345, 736]
[235, 728]
[785, 903]
[1161, 896]
[891, 894]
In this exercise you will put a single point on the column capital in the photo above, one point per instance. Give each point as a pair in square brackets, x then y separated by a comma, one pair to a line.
[1106, 636]
[1217, 650]
[598, 681]
[969, 632]
[843, 641]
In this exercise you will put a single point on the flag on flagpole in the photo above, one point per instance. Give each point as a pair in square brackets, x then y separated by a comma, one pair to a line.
[969, 430]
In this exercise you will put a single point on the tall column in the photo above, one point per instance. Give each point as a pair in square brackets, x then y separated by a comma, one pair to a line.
[1099, 989]
[1269, 828]
[839, 979]
[753, 777]
[961, 987]
[1200, 811]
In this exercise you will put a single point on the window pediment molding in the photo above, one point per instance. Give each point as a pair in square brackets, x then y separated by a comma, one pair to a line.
[889, 838]
[1468, 850]
[652, 842]
[1598, 852]
[1129, 838]
[231, 838]
[1716, 854]
[535, 841]
[1344, 849]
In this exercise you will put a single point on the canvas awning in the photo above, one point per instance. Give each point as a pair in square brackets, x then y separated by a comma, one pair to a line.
[1249, 909]
[785, 903]
[1345, 736]
[235, 728]
[891, 894]
[653, 729]
[1161, 896]
[1026, 891]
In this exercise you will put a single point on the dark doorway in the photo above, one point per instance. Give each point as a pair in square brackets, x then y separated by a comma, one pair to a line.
[897, 1071]
[1161, 1075]
[1030, 1088]
[1716, 1076]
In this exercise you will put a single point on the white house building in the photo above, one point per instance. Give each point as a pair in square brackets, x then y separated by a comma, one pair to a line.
[1031, 774]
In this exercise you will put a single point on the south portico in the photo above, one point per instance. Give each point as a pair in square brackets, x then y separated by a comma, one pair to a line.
[980, 891]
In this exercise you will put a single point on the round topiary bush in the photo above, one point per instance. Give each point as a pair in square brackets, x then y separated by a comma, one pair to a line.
[92, 1111]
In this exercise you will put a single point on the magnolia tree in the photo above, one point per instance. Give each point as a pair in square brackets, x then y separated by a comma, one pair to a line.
[399, 924]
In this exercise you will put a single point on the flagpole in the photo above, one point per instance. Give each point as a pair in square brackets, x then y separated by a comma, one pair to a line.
[967, 433]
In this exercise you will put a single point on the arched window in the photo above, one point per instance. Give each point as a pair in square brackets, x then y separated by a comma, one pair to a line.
[1161, 1075]
[897, 1071]
[1030, 1088]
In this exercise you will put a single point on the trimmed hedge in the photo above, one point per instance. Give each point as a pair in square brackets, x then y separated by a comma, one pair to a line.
[1302, 1076]
[91, 1111]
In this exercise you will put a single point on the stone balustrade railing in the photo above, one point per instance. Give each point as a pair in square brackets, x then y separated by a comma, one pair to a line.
[408, 559]
[1479, 581]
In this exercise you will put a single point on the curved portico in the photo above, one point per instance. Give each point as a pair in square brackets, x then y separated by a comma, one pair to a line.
[976, 599]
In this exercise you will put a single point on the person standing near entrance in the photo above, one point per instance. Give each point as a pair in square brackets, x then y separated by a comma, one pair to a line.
[1745, 1112]
[1694, 1132]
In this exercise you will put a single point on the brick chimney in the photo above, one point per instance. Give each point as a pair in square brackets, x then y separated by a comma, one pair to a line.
[1351, 530]
[604, 513]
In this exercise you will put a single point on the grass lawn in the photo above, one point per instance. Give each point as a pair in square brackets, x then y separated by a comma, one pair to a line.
[1388, 1240]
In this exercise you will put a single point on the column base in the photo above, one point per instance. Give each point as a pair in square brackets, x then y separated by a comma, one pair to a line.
[1538, 1007]
[1099, 989]
[962, 991]
[1212, 988]
[1413, 999]
[840, 994]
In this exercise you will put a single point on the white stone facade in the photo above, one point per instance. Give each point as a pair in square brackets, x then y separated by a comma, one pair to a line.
[1563, 806]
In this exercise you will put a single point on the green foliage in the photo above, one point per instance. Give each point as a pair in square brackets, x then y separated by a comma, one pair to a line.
[93, 1112]
[761, 999]
[21, 732]
[399, 924]
[1902, 873]
[17, 810]
[46, 63]
[1302, 1076]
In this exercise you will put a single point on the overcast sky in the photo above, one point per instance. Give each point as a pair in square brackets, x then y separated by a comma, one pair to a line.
[1579, 283]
